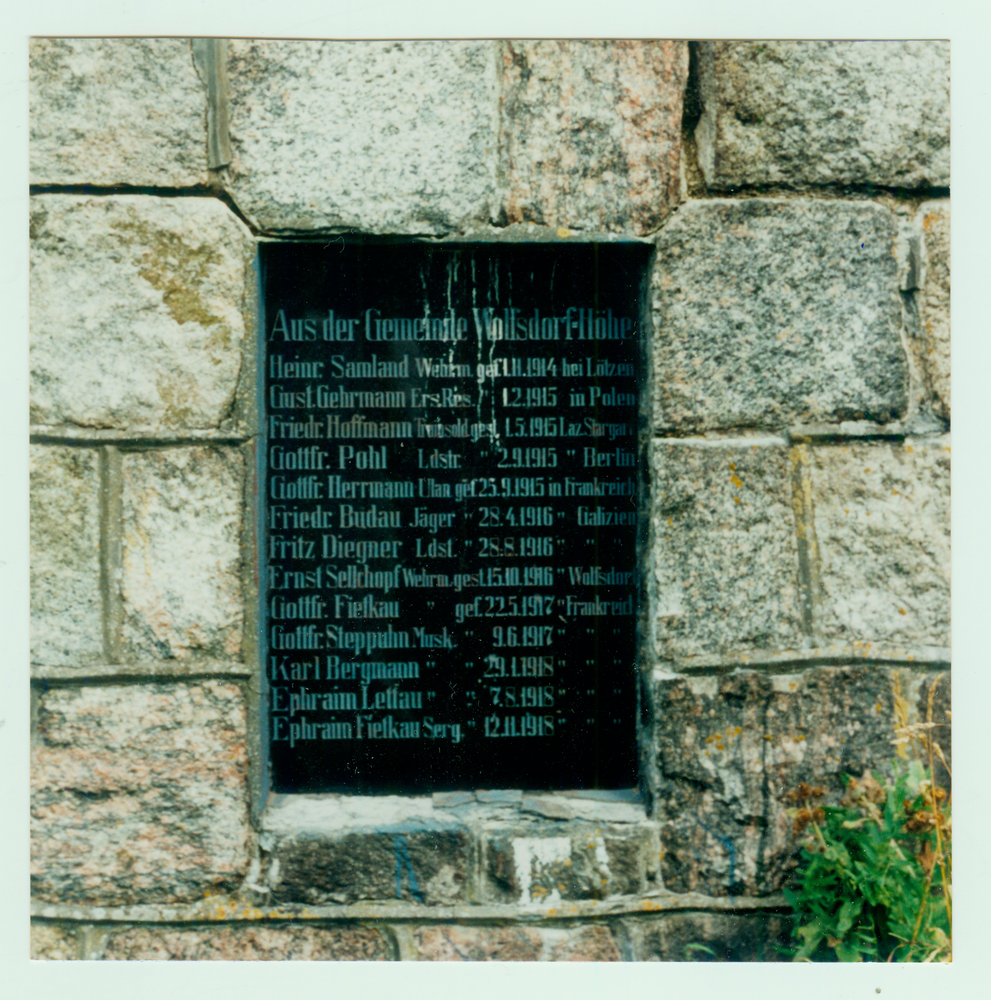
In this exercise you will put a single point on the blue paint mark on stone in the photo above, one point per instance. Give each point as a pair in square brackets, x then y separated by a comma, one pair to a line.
[730, 850]
[402, 857]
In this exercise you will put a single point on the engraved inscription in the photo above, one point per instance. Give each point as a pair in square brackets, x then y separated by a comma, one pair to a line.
[450, 476]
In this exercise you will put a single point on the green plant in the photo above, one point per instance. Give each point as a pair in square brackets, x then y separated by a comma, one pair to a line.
[874, 882]
[698, 952]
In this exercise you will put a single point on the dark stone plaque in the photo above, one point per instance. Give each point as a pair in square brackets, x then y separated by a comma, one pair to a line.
[451, 470]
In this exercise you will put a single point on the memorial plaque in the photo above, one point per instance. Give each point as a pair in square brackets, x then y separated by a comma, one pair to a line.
[451, 472]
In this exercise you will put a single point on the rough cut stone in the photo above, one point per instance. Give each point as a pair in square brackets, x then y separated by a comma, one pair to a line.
[592, 132]
[465, 943]
[551, 862]
[181, 553]
[264, 943]
[819, 112]
[426, 866]
[379, 136]
[882, 521]
[710, 937]
[66, 606]
[584, 944]
[137, 311]
[108, 111]
[730, 749]
[460, 943]
[139, 793]
[724, 559]
[770, 313]
[49, 941]
[933, 221]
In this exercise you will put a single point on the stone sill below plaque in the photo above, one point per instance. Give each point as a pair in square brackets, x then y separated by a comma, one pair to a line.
[528, 850]
[290, 814]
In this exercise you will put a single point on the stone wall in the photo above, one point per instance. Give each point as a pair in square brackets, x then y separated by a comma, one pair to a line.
[796, 195]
